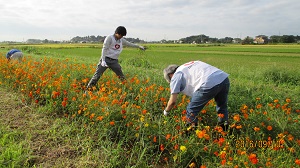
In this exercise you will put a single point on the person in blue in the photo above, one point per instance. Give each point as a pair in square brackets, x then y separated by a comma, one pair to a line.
[14, 54]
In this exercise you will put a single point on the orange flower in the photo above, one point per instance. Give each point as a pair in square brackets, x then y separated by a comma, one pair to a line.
[112, 123]
[246, 116]
[236, 117]
[115, 101]
[200, 134]
[206, 136]
[144, 111]
[268, 164]
[176, 147]
[154, 139]
[223, 162]
[168, 136]
[221, 115]
[92, 115]
[221, 141]
[162, 147]
[287, 100]
[64, 103]
[252, 157]
[256, 129]
[192, 165]
[269, 128]
[100, 118]
[297, 161]
[55, 94]
[222, 155]
[85, 80]
[243, 152]
[290, 137]
[258, 106]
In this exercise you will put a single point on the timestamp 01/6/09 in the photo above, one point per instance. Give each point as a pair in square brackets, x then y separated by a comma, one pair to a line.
[258, 144]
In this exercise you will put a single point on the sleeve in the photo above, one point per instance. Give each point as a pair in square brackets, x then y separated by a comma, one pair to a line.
[177, 83]
[105, 48]
[7, 55]
[129, 44]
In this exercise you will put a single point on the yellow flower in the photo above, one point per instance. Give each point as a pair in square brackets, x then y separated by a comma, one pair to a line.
[192, 165]
[183, 148]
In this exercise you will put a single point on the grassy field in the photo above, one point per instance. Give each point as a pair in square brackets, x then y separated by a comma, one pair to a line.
[121, 124]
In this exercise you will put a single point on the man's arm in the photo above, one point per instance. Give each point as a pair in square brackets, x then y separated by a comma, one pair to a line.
[127, 43]
[105, 48]
[171, 102]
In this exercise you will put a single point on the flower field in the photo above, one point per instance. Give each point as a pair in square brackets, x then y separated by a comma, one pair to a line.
[264, 132]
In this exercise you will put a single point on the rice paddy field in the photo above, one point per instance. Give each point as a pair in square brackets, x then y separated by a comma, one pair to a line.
[121, 124]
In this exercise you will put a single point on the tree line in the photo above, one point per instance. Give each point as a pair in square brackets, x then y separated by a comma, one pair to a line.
[97, 39]
[195, 39]
[260, 39]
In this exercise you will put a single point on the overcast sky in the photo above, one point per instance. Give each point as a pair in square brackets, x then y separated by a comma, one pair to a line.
[147, 19]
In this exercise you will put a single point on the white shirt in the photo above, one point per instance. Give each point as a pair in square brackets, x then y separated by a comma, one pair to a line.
[112, 48]
[193, 75]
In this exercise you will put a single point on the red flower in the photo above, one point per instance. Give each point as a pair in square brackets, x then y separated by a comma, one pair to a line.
[64, 103]
[162, 147]
[252, 157]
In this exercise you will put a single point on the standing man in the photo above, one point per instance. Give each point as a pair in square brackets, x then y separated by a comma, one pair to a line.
[14, 54]
[112, 48]
[202, 82]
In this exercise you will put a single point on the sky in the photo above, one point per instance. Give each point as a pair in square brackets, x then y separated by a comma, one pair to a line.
[149, 20]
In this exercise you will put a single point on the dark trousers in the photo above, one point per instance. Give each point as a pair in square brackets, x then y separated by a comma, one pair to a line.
[113, 64]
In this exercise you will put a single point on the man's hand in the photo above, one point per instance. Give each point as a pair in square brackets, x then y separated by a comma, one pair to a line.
[165, 113]
[103, 63]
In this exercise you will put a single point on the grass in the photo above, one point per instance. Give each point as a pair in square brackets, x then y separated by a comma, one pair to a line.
[121, 125]
[31, 137]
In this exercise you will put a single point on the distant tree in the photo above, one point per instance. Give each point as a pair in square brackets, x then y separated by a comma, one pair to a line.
[213, 40]
[46, 41]
[297, 38]
[288, 39]
[33, 41]
[226, 40]
[195, 39]
[274, 39]
[247, 40]
[237, 40]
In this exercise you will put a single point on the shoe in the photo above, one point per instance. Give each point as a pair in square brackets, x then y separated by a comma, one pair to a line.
[224, 125]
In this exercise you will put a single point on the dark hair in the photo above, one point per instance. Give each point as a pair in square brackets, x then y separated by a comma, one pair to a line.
[121, 30]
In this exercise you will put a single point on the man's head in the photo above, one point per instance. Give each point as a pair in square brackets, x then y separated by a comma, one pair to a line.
[170, 70]
[121, 30]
